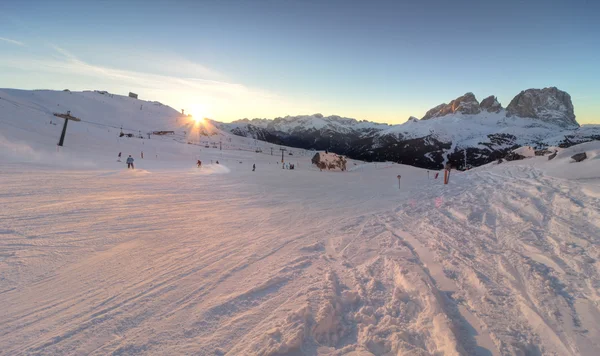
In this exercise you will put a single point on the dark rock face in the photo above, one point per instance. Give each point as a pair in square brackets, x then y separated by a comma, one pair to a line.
[549, 104]
[490, 104]
[579, 157]
[466, 104]
[497, 148]
[435, 112]
[571, 140]
[316, 159]
[257, 133]
[424, 152]
[542, 152]
[512, 156]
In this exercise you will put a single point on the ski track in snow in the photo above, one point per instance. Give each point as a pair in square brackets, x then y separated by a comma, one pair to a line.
[169, 259]
[137, 264]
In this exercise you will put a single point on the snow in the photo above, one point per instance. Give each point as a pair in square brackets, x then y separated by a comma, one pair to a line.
[172, 259]
[472, 130]
[525, 151]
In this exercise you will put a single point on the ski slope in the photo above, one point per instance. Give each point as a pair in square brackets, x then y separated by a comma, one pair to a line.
[171, 259]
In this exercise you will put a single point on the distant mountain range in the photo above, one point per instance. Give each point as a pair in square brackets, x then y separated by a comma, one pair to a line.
[464, 132]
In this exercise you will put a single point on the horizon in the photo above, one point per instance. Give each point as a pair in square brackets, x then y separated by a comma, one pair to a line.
[236, 60]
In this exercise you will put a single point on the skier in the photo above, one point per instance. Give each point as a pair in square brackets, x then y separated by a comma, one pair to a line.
[130, 162]
[253, 167]
[217, 162]
[199, 163]
[119, 157]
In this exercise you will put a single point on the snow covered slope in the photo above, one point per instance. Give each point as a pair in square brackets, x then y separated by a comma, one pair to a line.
[30, 132]
[502, 261]
[170, 259]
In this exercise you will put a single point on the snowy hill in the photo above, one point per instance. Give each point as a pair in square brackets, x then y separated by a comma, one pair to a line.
[31, 132]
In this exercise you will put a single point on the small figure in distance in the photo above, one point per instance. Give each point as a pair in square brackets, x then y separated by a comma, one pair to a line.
[130, 162]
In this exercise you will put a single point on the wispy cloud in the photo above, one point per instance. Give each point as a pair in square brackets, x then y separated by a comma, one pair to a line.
[222, 100]
[12, 41]
[71, 63]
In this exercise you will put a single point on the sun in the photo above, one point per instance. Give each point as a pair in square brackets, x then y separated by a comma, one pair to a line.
[199, 113]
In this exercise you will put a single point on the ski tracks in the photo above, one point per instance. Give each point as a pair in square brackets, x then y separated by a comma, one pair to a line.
[500, 264]
[521, 249]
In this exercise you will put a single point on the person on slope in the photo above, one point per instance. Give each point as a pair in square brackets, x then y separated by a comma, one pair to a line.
[253, 167]
[199, 163]
[130, 162]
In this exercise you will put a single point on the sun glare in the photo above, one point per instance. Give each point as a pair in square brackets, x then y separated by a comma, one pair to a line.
[199, 113]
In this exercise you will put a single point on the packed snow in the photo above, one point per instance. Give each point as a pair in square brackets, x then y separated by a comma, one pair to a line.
[169, 258]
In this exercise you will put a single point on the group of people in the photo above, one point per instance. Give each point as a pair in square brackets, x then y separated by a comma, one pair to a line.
[288, 166]
[130, 165]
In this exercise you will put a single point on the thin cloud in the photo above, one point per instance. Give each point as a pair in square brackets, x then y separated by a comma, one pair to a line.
[223, 99]
[12, 41]
[71, 63]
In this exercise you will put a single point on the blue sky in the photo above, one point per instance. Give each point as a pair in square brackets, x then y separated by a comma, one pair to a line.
[375, 60]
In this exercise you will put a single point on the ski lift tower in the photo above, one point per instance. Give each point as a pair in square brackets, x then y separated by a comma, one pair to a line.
[282, 150]
[67, 117]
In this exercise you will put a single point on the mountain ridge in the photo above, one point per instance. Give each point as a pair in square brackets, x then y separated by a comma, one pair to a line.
[480, 131]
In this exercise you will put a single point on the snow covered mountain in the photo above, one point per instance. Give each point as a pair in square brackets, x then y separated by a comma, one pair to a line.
[464, 132]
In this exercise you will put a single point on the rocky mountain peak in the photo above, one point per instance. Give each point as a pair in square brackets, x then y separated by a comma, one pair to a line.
[434, 112]
[466, 104]
[549, 105]
[490, 104]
